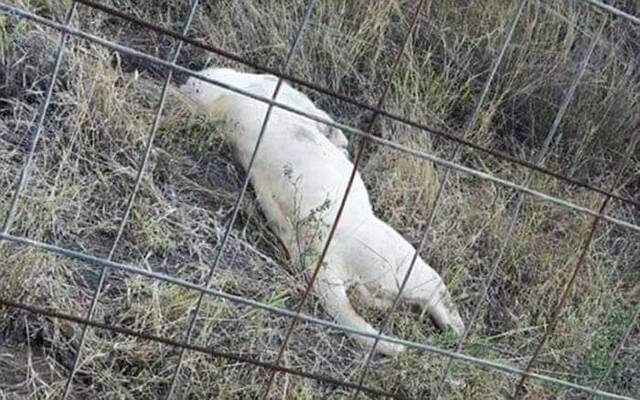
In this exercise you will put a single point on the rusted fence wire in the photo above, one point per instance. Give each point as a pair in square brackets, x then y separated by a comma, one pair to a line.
[366, 136]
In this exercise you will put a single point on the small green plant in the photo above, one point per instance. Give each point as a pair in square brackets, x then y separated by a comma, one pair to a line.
[448, 339]
[309, 230]
[604, 340]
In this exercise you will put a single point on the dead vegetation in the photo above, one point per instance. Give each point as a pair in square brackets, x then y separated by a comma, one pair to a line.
[94, 136]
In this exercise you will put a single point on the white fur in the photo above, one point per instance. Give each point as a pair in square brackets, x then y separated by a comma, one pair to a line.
[299, 176]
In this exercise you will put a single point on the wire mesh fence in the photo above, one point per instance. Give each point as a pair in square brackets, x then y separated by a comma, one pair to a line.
[365, 136]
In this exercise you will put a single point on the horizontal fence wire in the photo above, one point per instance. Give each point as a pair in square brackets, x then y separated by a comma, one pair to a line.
[448, 136]
[373, 138]
[613, 10]
[98, 262]
[368, 135]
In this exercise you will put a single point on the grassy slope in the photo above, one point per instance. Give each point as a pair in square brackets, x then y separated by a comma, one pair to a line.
[95, 133]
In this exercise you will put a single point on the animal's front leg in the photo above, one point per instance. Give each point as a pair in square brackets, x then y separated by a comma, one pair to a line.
[429, 292]
[332, 290]
[370, 299]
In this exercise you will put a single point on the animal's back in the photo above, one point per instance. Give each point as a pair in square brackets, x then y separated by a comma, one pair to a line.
[295, 163]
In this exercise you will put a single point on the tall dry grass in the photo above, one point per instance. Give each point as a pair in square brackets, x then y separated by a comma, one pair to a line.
[95, 132]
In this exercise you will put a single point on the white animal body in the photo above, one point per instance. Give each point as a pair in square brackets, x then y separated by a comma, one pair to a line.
[300, 174]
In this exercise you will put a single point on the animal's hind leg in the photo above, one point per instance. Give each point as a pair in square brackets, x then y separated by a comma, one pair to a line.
[332, 290]
[382, 258]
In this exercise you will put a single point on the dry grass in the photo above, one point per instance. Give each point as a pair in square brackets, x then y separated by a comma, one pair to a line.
[94, 136]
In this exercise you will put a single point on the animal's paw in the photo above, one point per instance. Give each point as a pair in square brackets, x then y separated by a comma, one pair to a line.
[382, 347]
[446, 314]
[390, 349]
